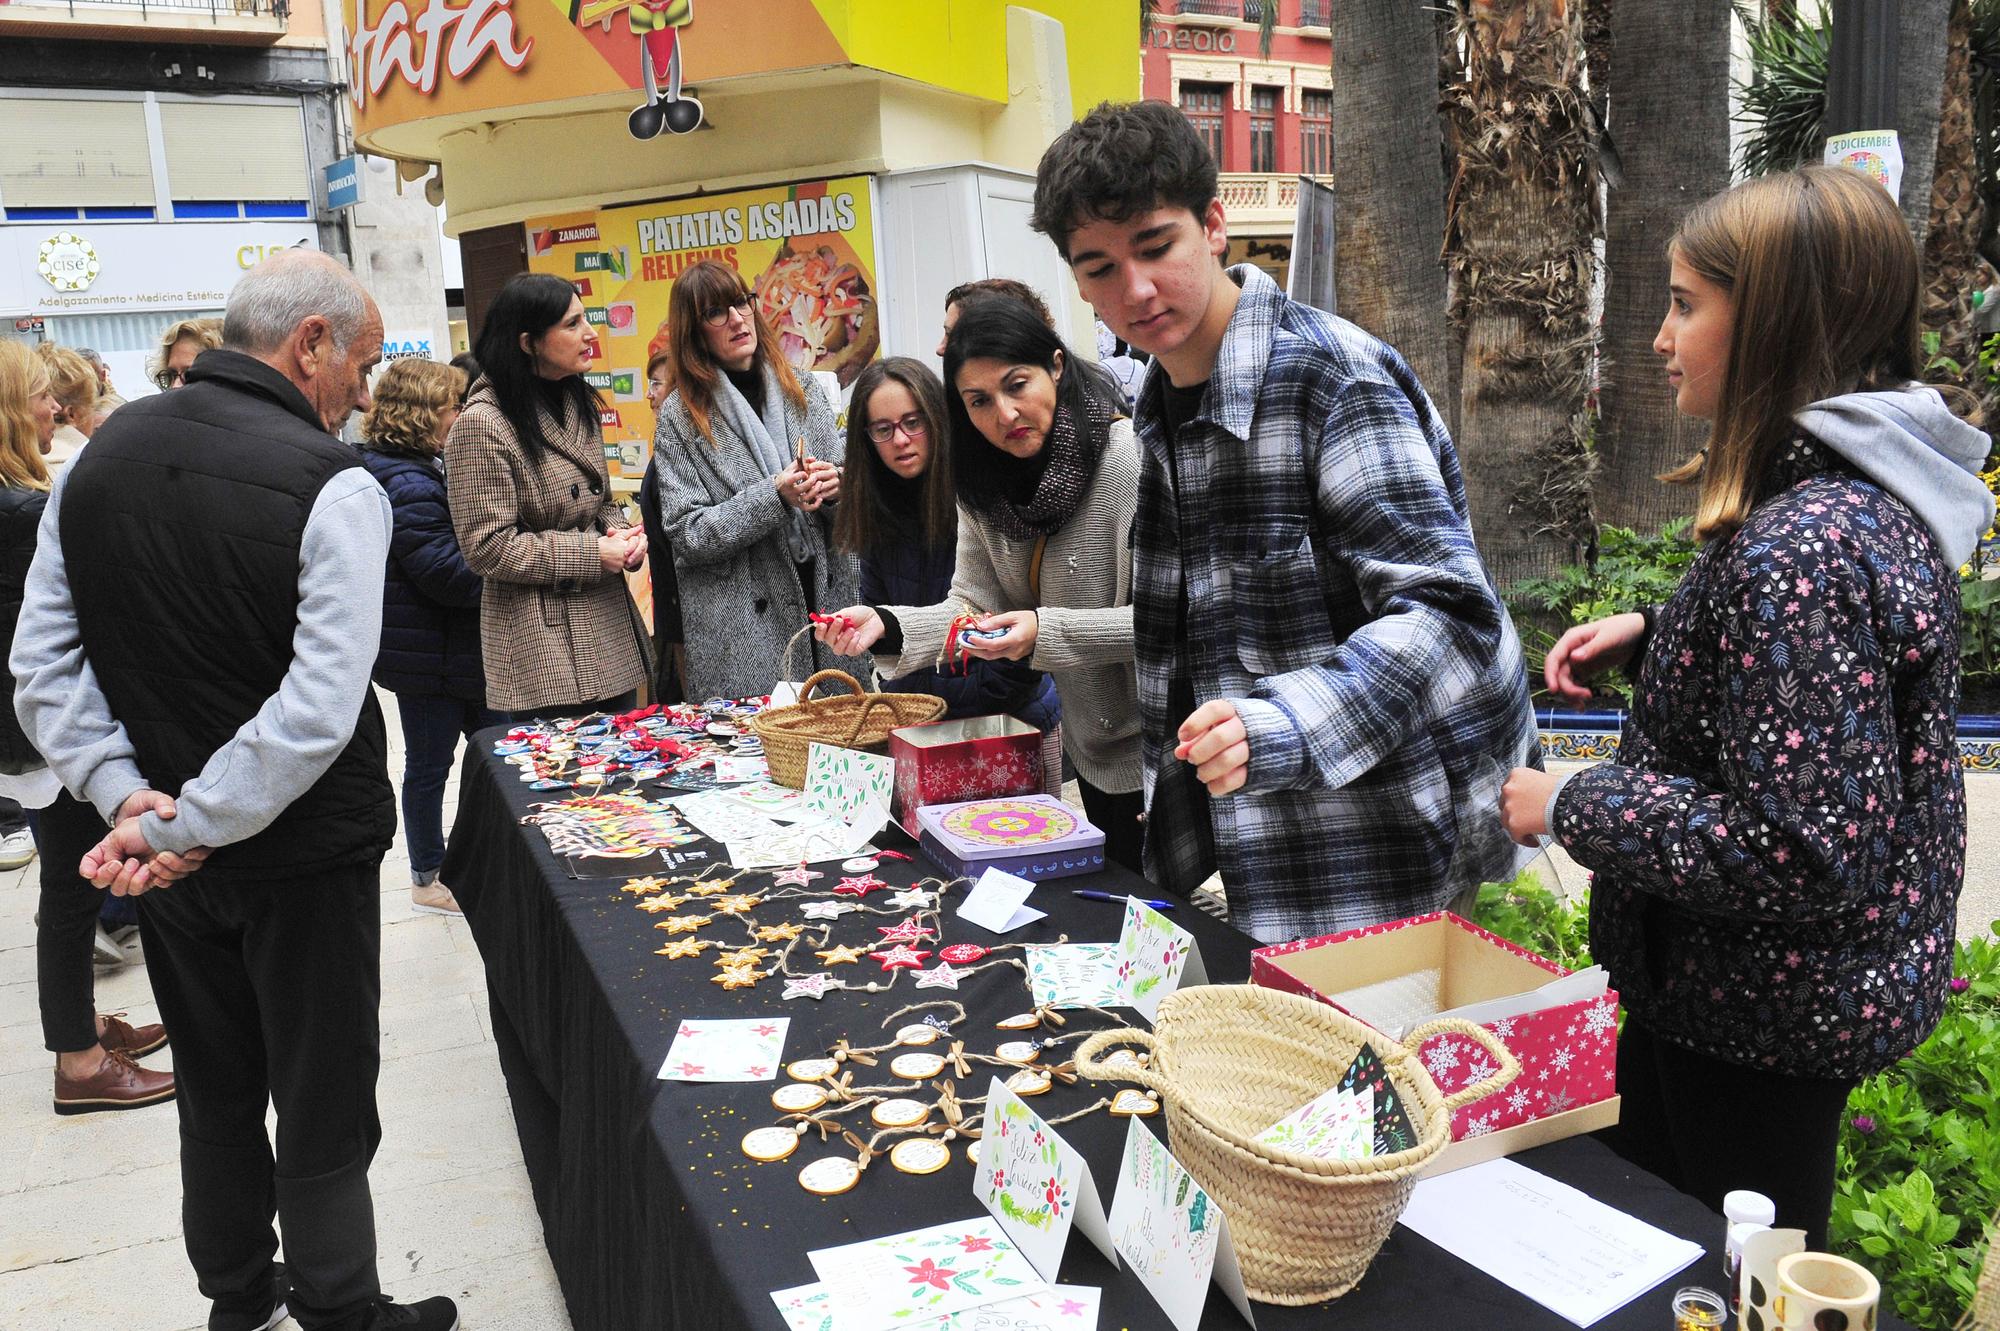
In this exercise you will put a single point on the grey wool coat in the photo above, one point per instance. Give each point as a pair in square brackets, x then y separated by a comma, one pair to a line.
[740, 594]
[555, 628]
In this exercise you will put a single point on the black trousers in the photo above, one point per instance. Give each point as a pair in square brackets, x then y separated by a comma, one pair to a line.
[64, 979]
[1117, 816]
[1709, 1127]
[272, 989]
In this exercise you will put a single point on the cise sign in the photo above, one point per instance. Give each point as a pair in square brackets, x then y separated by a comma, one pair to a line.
[67, 262]
[343, 183]
[158, 266]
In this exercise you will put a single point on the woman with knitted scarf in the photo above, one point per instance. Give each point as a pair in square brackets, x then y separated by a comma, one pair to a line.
[1047, 485]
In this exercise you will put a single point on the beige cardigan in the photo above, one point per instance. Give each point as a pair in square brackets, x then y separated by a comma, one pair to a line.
[1085, 609]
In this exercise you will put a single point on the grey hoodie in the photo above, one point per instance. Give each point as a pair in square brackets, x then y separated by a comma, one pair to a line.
[1908, 442]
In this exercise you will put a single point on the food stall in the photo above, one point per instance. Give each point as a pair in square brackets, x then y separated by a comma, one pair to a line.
[855, 159]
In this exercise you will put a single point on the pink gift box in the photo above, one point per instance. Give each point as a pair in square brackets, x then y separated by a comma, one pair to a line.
[971, 758]
[1388, 975]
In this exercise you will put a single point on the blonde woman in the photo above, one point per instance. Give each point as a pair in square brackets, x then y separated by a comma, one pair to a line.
[180, 343]
[430, 606]
[76, 388]
[94, 1054]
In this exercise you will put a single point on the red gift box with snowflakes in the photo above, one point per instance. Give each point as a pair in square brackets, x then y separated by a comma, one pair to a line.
[971, 758]
[1562, 1026]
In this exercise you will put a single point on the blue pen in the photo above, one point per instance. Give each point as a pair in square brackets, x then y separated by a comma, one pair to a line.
[1092, 894]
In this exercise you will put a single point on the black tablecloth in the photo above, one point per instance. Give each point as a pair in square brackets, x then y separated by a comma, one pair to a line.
[655, 1219]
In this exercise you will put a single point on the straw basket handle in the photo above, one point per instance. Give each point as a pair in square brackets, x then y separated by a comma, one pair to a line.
[831, 677]
[1088, 1065]
[861, 717]
[1510, 1066]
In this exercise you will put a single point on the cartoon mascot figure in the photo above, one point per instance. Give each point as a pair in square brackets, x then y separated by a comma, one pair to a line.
[657, 24]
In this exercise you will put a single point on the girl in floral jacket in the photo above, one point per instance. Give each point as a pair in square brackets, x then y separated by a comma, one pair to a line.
[1779, 847]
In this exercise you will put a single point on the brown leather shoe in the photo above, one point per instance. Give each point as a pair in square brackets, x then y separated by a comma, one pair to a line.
[118, 1084]
[132, 1041]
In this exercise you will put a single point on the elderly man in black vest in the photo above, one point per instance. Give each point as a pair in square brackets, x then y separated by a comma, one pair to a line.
[199, 625]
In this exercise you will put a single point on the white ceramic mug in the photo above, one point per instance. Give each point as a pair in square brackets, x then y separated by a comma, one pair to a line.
[1818, 1291]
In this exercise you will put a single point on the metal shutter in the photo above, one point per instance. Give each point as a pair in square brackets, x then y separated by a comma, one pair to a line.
[63, 153]
[233, 150]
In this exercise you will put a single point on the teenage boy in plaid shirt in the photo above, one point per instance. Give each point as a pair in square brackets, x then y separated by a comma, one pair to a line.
[1331, 692]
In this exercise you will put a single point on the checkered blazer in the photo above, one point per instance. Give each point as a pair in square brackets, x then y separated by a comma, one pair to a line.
[554, 627]
[1335, 596]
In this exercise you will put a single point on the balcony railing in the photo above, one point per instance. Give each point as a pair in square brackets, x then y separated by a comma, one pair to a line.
[1265, 200]
[169, 13]
[1313, 15]
[1229, 9]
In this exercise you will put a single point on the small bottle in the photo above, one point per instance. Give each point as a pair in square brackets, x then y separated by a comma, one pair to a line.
[1732, 1257]
[1742, 1207]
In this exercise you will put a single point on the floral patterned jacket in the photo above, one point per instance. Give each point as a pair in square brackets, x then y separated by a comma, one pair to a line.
[1779, 849]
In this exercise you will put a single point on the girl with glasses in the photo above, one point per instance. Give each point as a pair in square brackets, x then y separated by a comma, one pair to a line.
[747, 461]
[900, 519]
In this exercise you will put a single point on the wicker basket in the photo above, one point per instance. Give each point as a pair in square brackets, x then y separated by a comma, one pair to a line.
[1231, 1060]
[857, 719]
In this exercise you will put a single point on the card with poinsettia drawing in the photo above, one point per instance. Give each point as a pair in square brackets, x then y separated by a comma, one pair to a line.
[1035, 1183]
[726, 1050]
[903, 1279]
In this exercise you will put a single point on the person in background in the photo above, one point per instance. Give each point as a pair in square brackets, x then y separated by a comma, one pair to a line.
[1046, 472]
[180, 343]
[900, 519]
[95, 1068]
[669, 647]
[76, 387]
[532, 505]
[1780, 844]
[466, 364]
[430, 606]
[1005, 287]
[748, 459]
[109, 399]
[196, 636]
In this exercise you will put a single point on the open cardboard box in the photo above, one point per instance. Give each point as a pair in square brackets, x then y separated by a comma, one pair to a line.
[1396, 976]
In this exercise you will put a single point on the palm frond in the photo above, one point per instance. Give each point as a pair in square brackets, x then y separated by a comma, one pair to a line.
[1267, 22]
[1784, 102]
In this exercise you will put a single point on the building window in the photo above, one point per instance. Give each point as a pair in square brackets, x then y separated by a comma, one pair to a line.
[1202, 104]
[1263, 129]
[61, 155]
[1316, 134]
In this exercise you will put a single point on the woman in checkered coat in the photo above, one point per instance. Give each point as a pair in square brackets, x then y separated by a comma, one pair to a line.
[532, 506]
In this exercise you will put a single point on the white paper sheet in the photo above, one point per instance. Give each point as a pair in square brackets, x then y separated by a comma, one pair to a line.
[1567, 1251]
[995, 902]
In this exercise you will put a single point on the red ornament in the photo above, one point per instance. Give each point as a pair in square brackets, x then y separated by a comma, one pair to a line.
[962, 954]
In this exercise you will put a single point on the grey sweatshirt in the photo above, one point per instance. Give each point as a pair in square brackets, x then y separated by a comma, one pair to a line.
[1908, 442]
[275, 757]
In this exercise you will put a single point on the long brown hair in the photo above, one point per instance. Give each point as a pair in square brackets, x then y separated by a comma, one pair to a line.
[1825, 290]
[704, 286]
[867, 520]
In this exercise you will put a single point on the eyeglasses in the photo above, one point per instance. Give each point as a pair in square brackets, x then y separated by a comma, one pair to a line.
[170, 378]
[718, 315]
[883, 431]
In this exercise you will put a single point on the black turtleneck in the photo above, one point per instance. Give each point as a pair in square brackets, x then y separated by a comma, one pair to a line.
[751, 385]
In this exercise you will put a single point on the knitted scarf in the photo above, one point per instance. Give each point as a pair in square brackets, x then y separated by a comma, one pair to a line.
[1068, 465]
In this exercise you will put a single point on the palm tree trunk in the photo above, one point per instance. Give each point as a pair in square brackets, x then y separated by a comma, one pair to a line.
[1670, 120]
[1952, 264]
[1521, 226]
[1920, 61]
[1391, 203]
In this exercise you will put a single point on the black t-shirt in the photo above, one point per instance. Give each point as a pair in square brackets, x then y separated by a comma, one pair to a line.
[1177, 407]
[751, 385]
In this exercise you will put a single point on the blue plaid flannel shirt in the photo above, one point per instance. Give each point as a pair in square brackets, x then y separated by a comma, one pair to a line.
[1334, 595]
